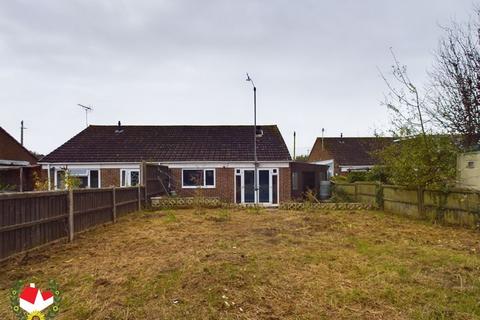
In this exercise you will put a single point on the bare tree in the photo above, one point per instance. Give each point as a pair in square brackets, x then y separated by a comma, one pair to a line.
[404, 100]
[455, 82]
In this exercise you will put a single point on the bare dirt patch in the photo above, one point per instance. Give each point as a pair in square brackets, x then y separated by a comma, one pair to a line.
[260, 265]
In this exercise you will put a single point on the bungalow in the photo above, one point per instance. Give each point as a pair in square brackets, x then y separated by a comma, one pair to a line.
[345, 154]
[17, 164]
[214, 160]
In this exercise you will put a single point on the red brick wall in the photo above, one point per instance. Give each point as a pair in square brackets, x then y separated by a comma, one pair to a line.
[317, 153]
[110, 177]
[224, 189]
[44, 177]
[285, 179]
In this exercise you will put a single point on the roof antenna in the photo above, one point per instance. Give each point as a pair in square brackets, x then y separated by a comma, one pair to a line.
[119, 128]
[22, 127]
[87, 109]
[323, 132]
[294, 145]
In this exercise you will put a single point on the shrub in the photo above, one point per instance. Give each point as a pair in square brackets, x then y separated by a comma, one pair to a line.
[421, 161]
[339, 195]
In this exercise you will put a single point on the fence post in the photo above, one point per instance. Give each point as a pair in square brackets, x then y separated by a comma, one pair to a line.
[145, 181]
[379, 196]
[421, 201]
[114, 205]
[139, 195]
[356, 192]
[21, 180]
[71, 217]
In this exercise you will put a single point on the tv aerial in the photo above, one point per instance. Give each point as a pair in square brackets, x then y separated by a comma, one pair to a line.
[87, 110]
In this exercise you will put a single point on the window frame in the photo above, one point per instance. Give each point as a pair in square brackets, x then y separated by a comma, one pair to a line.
[274, 172]
[203, 185]
[57, 171]
[128, 178]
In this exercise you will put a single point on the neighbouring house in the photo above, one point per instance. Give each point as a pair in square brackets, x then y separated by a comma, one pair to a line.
[17, 165]
[346, 154]
[468, 170]
[213, 161]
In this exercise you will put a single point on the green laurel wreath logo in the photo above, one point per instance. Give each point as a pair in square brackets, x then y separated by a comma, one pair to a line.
[47, 314]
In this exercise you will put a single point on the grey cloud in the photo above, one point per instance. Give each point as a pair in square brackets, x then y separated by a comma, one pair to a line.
[183, 61]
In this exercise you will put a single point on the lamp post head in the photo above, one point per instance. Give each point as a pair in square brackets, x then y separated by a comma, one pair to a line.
[251, 80]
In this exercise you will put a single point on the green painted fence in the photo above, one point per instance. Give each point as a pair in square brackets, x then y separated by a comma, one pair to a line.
[457, 207]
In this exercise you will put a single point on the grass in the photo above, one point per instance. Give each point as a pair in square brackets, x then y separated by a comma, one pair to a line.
[232, 264]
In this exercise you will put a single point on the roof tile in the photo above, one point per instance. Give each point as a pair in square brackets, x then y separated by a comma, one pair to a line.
[170, 144]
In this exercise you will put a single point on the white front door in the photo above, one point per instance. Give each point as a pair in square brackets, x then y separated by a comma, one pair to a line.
[267, 182]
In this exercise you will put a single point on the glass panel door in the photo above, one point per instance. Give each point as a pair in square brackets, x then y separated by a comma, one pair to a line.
[248, 186]
[238, 188]
[264, 185]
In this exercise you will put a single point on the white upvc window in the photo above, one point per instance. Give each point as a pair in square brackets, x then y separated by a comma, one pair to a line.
[88, 178]
[198, 178]
[129, 177]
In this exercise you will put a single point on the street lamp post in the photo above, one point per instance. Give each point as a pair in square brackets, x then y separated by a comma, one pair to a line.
[255, 160]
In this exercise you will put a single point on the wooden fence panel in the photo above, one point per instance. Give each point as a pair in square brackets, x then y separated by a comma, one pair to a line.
[92, 207]
[126, 200]
[367, 193]
[347, 188]
[401, 200]
[31, 219]
[457, 207]
[156, 179]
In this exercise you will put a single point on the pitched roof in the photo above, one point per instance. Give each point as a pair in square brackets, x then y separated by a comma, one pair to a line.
[349, 151]
[13, 150]
[170, 144]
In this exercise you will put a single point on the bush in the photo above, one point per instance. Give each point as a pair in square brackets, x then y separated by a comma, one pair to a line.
[339, 195]
[420, 161]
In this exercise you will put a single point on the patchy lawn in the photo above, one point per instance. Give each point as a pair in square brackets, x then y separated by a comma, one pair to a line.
[245, 264]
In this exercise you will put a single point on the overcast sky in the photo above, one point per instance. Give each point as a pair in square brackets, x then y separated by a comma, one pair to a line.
[184, 62]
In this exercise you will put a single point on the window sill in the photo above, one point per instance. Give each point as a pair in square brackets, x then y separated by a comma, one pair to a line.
[198, 187]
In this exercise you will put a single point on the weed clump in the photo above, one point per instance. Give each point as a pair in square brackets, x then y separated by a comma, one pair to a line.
[255, 209]
[170, 217]
[222, 215]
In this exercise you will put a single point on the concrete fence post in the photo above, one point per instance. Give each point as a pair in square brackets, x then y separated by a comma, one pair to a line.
[114, 205]
[71, 216]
